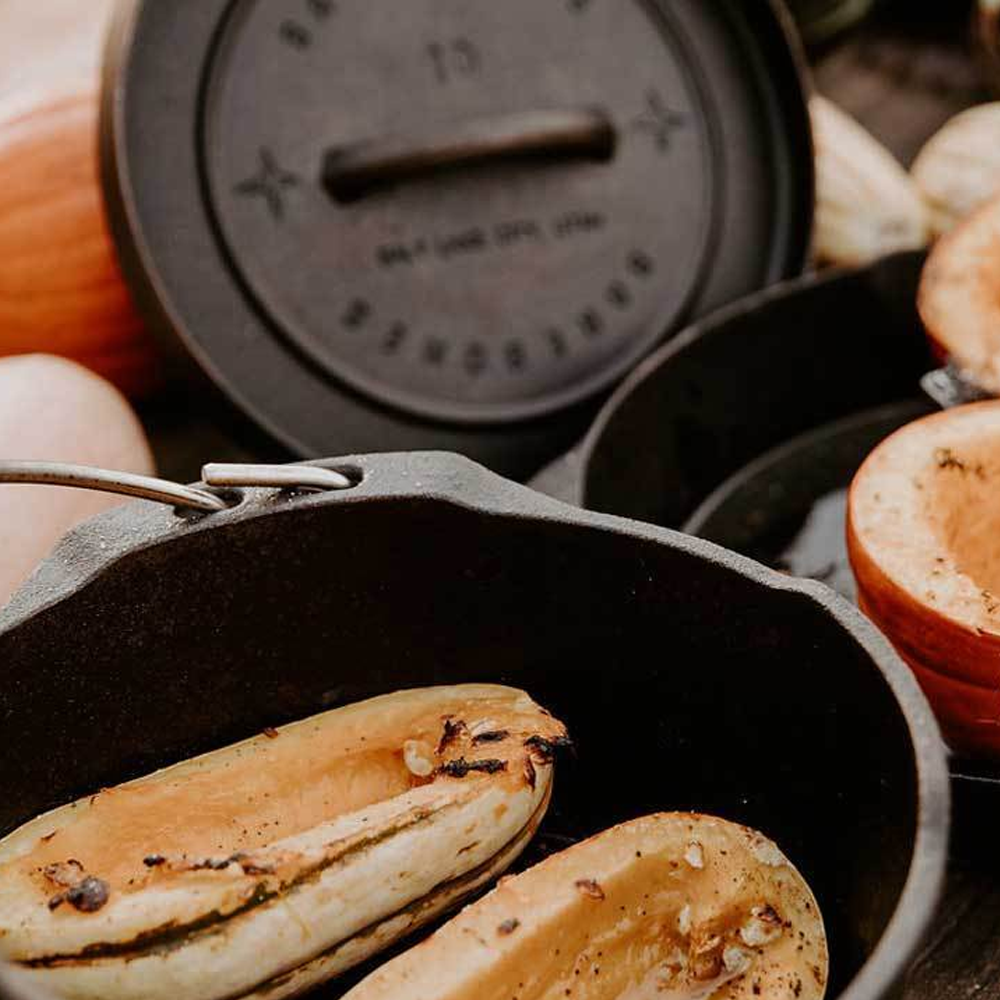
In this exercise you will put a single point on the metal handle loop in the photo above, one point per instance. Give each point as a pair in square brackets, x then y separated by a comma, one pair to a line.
[275, 476]
[85, 477]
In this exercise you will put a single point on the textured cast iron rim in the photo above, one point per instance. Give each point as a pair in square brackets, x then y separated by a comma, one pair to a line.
[458, 482]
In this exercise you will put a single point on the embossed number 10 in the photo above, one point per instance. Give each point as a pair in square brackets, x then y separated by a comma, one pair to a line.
[455, 60]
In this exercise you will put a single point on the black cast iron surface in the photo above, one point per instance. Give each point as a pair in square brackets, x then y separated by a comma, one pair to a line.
[788, 508]
[690, 677]
[483, 302]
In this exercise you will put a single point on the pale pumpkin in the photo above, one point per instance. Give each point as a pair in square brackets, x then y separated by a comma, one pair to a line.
[54, 410]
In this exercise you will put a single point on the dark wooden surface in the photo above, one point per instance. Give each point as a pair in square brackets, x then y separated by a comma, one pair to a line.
[961, 957]
[902, 76]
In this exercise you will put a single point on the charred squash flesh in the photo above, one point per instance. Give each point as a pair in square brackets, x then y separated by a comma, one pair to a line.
[668, 907]
[273, 865]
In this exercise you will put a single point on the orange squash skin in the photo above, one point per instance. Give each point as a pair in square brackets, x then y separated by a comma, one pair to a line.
[61, 288]
[957, 298]
[957, 667]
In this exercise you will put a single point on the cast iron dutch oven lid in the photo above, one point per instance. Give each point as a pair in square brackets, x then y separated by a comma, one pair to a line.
[448, 223]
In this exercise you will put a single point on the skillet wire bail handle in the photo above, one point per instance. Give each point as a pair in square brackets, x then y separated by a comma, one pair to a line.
[275, 476]
[86, 477]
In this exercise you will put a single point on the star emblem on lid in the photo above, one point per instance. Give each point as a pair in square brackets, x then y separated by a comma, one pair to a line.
[270, 183]
[659, 120]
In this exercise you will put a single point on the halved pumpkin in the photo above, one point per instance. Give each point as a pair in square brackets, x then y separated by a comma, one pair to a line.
[924, 542]
[274, 864]
[959, 298]
[668, 907]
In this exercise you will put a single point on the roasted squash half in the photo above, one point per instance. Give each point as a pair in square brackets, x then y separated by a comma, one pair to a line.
[924, 541]
[668, 907]
[275, 864]
[959, 298]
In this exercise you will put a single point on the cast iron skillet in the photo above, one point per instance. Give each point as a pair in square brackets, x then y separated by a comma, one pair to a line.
[691, 678]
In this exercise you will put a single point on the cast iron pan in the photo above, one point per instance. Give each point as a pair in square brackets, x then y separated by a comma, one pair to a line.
[747, 431]
[691, 678]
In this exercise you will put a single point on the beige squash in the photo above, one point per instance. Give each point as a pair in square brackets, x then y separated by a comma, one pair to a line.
[958, 170]
[866, 204]
[667, 907]
[274, 864]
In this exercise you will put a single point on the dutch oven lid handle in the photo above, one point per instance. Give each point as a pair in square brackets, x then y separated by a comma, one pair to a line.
[162, 491]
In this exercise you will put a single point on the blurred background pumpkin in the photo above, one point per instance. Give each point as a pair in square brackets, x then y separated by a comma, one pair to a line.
[61, 290]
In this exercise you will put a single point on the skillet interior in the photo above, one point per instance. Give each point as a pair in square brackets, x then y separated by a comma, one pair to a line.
[689, 678]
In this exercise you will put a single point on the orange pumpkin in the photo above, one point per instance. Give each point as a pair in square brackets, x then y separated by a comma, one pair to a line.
[958, 299]
[61, 289]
